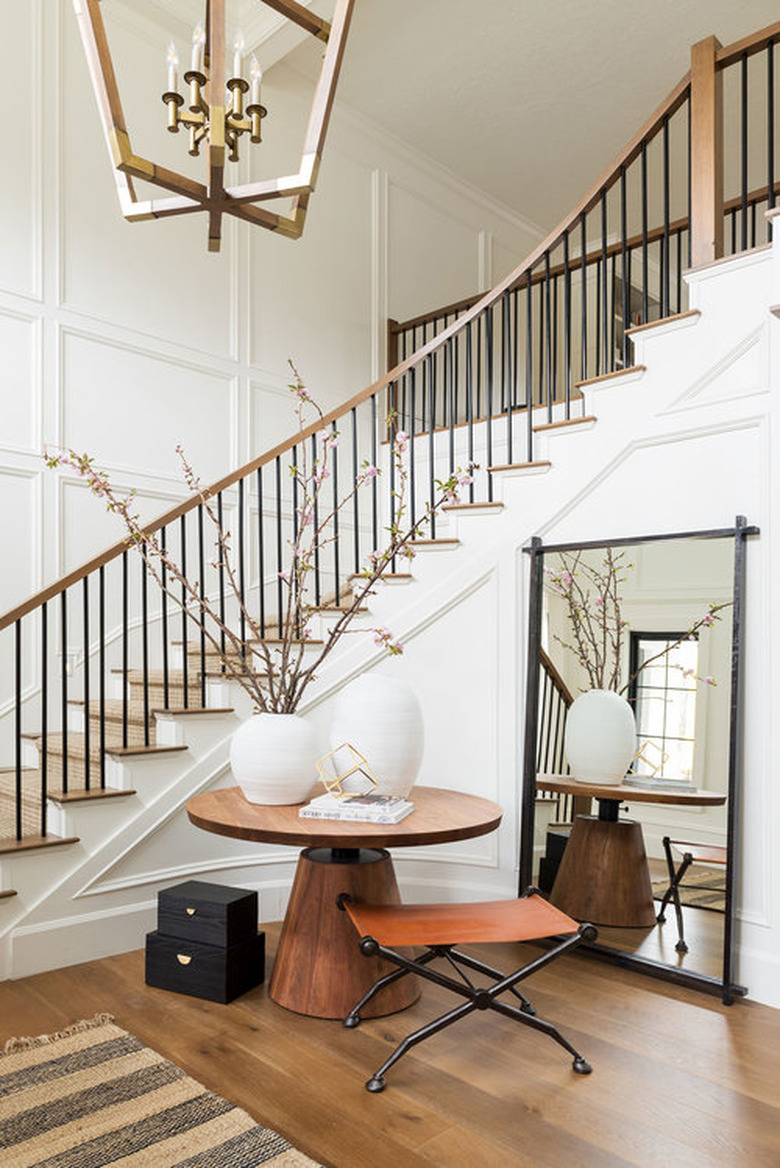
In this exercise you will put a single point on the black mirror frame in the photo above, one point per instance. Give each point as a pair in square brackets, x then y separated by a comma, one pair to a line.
[724, 986]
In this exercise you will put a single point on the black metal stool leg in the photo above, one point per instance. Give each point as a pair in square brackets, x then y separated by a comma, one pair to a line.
[377, 1080]
[496, 974]
[579, 1064]
[353, 1017]
[681, 946]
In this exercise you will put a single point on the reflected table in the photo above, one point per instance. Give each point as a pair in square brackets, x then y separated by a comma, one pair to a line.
[319, 970]
[603, 877]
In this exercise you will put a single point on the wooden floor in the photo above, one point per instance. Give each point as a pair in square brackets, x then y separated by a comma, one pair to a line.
[678, 1078]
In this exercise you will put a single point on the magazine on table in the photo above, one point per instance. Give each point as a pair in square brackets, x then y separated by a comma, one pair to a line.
[361, 808]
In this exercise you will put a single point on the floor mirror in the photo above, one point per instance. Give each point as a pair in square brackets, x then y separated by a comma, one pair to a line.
[630, 811]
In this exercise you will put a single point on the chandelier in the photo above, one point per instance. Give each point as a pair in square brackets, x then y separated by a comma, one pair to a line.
[216, 115]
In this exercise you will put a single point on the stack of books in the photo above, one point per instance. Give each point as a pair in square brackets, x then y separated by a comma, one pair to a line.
[360, 808]
[659, 783]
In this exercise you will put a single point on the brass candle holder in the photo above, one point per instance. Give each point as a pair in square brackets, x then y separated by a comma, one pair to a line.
[197, 114]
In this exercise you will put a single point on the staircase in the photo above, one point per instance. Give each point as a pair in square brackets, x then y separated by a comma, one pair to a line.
[104, 744]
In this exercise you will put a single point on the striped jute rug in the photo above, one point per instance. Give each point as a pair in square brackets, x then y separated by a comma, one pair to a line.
[93, 1095]
[702, 888]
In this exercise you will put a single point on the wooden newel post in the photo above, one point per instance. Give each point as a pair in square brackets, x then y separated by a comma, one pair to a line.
[706, 153]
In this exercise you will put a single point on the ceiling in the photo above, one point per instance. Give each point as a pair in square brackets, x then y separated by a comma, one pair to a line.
[527, 99]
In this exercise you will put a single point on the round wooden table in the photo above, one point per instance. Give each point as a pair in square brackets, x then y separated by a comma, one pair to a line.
[603, 877]
[319, 969]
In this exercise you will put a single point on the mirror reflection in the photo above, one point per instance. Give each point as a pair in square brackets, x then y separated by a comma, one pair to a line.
[631, 791]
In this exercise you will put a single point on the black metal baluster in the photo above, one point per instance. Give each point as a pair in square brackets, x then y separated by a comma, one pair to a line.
[64, 685]
[451, 403]
[566, 325]
[44, 747]
[690, 182]
[488, 397]
[625, 286]
[412, 458]
[770, 122]
[470, 404]
[241, 572]
[743, 169]
[279, 564]
[529, 367]
[202, 606]
[665, 259]
[355, 499]
[506, 392]
[335, 464]
[145, 644]
[164, 616]
[431, 447]
[603, 368]
[295, 529]
[679, 271]
[18, 727]
[478, 367]
[555, 338]
[185, 654]
[393, 430]
[612, 280]
[221, 564]
[316, 525]
[598, 317]
[102, 673]
[548, 338]
[515, 357]
[125, 647]
[583, 305]
[374, 484]
[541, 344]
[260, 558]
[85, 643]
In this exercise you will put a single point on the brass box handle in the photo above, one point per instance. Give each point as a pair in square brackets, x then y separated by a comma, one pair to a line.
[190, 912]
[183, 959]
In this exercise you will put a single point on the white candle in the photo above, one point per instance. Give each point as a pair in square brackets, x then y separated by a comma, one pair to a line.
[256, 75]
[173, 64]
[238, 50]
[198, 41]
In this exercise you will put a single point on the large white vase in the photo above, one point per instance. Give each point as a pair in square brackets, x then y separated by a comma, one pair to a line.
[600, 738]
[273, 758]
[381, 717]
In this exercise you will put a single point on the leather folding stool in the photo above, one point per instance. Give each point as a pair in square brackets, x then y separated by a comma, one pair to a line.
[382, 929]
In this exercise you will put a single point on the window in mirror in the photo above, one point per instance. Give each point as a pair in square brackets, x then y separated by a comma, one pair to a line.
[663, 696]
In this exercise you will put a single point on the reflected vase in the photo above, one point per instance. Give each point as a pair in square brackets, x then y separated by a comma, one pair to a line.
[600, 737]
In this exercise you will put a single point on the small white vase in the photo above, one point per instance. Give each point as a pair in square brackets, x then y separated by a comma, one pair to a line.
[273, 758]
[381, 717]
[600, 738]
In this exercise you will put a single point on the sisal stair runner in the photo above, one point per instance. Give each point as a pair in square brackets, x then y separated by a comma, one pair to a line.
[94, 1095]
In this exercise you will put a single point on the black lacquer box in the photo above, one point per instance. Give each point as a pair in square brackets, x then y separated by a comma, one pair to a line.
[206, 943]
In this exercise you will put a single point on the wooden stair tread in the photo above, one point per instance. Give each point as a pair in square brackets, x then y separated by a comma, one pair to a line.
[357, 576]
[81, 795]
[5, 893]
[651, 324]
[186, 711]
[416, 543]
[473, 507]
[29, 843]
[565, 423]
[610, 376]
[543, 462]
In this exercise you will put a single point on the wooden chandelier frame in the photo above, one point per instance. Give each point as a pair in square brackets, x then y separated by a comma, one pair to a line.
[213, 196]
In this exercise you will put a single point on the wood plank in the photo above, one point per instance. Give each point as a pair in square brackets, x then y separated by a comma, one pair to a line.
[678, 1077]
[609, 376]
[31, 843]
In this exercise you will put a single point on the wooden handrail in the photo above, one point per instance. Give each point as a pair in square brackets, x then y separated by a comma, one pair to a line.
[603, 184]
[748, 45]
[555, 677]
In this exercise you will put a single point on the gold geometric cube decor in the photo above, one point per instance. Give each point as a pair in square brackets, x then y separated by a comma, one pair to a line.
[333, 780]
[215, 116]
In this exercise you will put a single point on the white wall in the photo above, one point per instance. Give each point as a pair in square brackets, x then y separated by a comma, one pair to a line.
[124, 339]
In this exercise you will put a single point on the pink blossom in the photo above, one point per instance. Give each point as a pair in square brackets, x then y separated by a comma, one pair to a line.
[401, 441]
[710, 681]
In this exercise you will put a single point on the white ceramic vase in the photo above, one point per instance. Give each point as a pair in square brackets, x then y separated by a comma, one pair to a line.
[600, 738]
[381, 717]
[273, 758]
